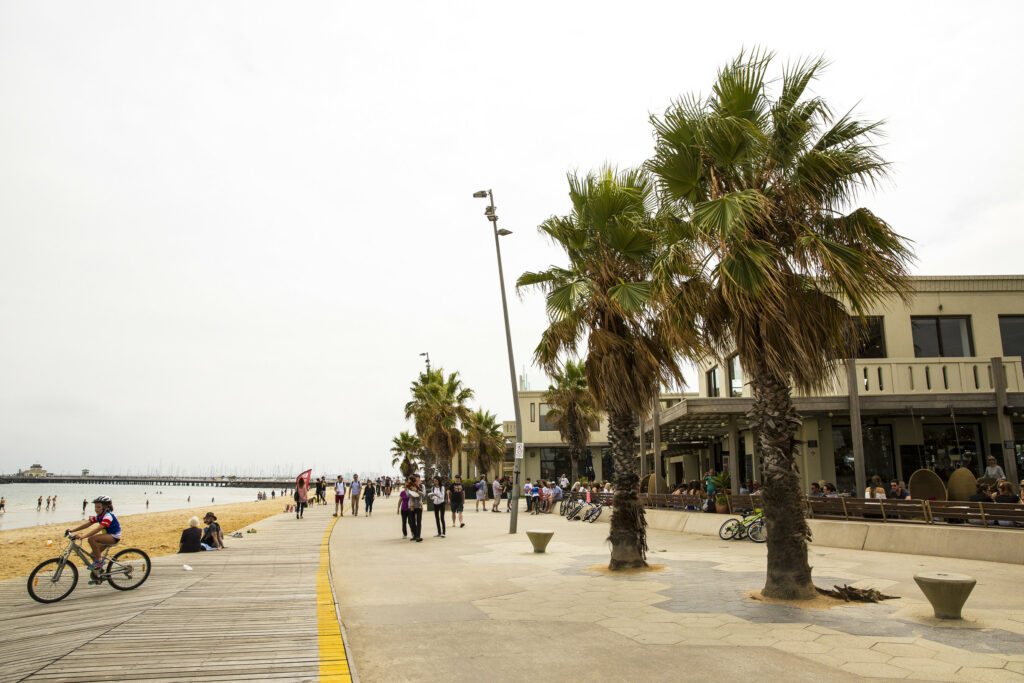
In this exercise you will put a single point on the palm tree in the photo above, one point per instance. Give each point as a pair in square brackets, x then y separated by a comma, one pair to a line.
[571, 409]
[485, 439]
[605, 296]
[406, 453]
[438, 407]
[766, 186]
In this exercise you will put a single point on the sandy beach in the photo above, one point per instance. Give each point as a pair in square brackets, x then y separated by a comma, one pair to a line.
[155, 532]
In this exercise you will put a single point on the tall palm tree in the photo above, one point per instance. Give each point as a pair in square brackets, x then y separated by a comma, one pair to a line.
[438, 407]
[604, 296]
[406, 453]
[484, 439]
[766, 184]
[571, 409]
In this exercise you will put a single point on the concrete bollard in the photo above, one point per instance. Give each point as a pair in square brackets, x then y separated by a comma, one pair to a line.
[946, 592]
[539, 539]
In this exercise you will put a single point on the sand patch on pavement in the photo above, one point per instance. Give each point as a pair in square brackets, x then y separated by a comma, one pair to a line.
[820, 602]
[603, 569]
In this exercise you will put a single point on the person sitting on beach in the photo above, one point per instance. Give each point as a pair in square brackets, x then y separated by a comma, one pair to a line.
[106, 534]
[191, 538]
[213, 537]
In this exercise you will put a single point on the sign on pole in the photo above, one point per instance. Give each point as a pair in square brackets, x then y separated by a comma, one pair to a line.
[519, 450]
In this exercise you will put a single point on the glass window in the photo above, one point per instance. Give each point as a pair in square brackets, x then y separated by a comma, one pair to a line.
[533, 412]
[879, 455]
[937, 336]
[554, 462]
[946, 448]
[713, 381]
[1011, 329]
[545, 425]
[735, 377]
[871, 341]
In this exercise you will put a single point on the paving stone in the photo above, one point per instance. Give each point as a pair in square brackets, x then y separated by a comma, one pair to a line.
[918, 665]
[874, 670]
[851, 654]
[970, 659]
[801, 647]
[975, 675]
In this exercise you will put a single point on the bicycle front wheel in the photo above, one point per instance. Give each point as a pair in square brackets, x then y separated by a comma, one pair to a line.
[594, 514]
[729, 530]
[128, 569]
[49, 582]
[757, 532]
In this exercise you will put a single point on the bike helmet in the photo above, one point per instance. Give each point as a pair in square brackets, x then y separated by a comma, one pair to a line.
[103, 499]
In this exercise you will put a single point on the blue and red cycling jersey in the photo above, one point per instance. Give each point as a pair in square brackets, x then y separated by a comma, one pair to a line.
[109, 522]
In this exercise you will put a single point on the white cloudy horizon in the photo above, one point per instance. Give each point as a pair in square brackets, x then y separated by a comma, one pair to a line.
[228, 230]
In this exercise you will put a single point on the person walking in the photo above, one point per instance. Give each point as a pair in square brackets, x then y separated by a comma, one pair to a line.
[353, 490]
[481, 494]
[339, 497]
[301, 498]
[415, 491]
[457, 499]
[496, 486]
[403, 510]
[506, 493]
[439, 496]
[368, 497]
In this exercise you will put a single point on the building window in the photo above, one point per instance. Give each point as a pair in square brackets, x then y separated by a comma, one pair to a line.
[533, 412]
[1011, 329]
[735, 377]
[545, 424]
[942, 336]
[871, 337]
[879, 455]
[554, 462]
[713, 382]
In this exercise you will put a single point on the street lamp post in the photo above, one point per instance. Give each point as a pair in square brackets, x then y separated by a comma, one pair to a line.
[518, 451]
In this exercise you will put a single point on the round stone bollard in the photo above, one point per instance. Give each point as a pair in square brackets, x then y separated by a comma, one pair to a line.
[946, 592]
[539, 539]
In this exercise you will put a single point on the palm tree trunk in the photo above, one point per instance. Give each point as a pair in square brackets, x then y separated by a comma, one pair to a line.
[574, 462]
[628, 534]
[789, 574]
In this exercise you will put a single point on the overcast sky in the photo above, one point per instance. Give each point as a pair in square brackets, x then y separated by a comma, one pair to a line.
[227, 230]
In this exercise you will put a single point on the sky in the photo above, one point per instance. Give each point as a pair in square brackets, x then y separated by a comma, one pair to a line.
[228, 230]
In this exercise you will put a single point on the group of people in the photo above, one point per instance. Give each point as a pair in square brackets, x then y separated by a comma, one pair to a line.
[262, 495]
[355, 490]
[443, 497]
[196, 539]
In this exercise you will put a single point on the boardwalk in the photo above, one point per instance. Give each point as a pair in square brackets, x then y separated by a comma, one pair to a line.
[260, 610]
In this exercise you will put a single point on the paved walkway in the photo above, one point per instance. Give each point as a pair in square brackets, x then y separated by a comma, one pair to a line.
[260, 610]
[480, 601]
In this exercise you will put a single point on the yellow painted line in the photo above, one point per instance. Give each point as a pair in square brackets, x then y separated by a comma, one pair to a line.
[333, 658]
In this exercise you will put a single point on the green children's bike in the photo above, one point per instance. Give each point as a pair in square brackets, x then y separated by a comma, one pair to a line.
[751, 526]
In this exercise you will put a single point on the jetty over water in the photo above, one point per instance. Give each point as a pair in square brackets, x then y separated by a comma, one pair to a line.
[151, 480]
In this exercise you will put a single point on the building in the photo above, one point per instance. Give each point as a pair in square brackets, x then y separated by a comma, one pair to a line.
[937, 385]
[35, 471]
[546, 456]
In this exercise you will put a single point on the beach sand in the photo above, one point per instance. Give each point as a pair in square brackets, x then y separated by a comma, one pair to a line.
[157, 533]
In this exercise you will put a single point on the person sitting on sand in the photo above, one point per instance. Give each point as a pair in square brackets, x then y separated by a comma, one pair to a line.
[191, 538]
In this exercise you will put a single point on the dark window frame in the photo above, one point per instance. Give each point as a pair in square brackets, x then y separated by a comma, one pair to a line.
[938, 333]
[868, 319]
[731, 378]
[713, 373]
[1002, 339]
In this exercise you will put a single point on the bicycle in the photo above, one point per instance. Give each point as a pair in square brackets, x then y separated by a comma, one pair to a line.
[54, 579]
[594, 512]
[752, 526]
[574, 511]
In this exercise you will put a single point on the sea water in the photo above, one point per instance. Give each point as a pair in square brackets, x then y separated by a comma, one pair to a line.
[21, 500]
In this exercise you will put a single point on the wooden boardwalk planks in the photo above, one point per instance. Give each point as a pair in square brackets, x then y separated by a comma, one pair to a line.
[260, 610]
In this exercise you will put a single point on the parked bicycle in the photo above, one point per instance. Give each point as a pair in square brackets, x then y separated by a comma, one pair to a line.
[54, 579]
[751, 526]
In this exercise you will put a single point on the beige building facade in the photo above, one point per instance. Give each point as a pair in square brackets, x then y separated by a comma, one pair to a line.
[938, 384]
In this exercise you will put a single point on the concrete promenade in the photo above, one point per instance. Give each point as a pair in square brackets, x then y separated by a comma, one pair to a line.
[480, 602]
[260, 610]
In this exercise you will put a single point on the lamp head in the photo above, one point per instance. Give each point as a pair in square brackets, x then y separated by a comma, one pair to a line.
[480, 194]
[504, 232]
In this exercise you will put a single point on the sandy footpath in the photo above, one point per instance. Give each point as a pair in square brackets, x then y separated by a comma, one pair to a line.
[155, 532]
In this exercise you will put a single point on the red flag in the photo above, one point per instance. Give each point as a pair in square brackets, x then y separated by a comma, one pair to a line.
[303, 478]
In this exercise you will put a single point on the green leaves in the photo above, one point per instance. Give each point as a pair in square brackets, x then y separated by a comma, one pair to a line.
[632, 297]
[731, 216]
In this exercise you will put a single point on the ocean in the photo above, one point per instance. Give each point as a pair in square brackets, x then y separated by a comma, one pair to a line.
[21, 499]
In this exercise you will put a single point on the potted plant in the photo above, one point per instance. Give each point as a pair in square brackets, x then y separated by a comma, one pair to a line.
[721, 483]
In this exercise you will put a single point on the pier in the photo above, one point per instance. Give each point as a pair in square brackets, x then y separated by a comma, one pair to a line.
[151, 480]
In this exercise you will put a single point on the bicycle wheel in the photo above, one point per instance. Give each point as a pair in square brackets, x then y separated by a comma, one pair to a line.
[128, 569]
[757, 532]
[729, 529]
[594, 514]
[563, 506]
[45, 584]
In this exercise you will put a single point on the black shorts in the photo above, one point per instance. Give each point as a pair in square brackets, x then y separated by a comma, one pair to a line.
[457, 506]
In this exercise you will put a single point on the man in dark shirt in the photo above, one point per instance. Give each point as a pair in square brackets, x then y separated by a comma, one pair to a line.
[982, 495]
[191, 538]
[457, 495]
[213, 538]
[898, 492]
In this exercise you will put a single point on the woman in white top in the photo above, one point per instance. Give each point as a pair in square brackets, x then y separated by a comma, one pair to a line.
[439, 496]
[994, 471]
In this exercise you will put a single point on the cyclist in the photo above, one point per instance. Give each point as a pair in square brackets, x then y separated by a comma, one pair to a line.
[107, 534]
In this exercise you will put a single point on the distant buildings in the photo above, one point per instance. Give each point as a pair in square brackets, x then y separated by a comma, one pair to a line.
[35, 471]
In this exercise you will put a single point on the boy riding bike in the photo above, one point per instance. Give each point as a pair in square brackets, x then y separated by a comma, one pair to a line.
[107, 534]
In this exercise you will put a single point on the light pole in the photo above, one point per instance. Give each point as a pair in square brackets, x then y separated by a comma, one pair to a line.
[518, 451]
[428, 360]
